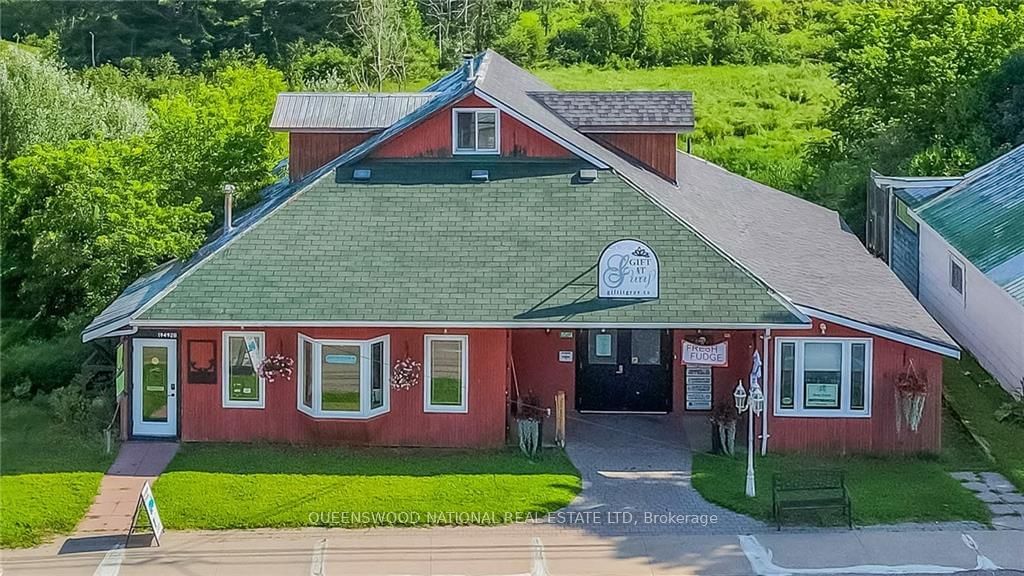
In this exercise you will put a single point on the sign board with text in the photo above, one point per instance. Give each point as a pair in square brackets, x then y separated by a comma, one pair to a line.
[148, 502]
[698, 387]
[713, 355]
[627, 269]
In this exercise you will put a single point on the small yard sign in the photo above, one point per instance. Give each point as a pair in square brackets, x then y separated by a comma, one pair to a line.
[627, 269]
[148, 502]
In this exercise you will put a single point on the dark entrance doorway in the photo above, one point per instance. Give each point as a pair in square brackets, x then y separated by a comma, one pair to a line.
[624, 371]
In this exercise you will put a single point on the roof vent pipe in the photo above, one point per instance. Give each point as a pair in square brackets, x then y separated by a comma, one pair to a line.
[229, 200]
[469, 61]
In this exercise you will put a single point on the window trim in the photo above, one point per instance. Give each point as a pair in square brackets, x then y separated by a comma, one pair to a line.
[365, 378]
[845, 386]
[462, 407]
[225, 386]
[476, 149]
[962, 292]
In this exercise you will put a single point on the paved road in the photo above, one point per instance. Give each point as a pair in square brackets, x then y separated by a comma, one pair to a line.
[534, 550]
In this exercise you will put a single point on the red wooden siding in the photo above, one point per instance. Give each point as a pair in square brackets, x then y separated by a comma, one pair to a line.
[309, 151]
[724, 379]
[656, 151]
[203, 418]
[875, 434]
[432, 137]
[537, 369]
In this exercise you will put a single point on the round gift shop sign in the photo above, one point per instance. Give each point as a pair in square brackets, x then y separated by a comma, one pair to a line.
[627, 269]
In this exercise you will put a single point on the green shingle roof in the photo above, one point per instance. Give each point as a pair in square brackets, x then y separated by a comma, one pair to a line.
[522, 247]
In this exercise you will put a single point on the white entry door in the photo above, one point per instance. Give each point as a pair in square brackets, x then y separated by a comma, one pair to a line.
[154, 387]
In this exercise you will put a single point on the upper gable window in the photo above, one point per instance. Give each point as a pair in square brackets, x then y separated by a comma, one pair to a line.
[476, 130]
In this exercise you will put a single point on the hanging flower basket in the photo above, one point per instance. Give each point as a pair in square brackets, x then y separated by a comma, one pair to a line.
[406, 374]
[277, 366]
[911, 392]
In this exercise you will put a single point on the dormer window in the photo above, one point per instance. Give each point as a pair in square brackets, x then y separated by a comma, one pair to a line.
[475, 130]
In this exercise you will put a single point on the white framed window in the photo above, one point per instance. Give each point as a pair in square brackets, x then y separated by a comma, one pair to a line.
[476, 131]
[344, 378]
[445, 373]
[823, 377]
[241, 385]
[956, 275]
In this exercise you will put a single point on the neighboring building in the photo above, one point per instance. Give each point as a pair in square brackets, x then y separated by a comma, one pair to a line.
[512, 238]
[958, 244]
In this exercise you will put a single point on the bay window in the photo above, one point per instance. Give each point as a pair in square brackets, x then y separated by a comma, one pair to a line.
[343, 378]
[823, 377]
[475, 130]
[445, 373]
[241, 384]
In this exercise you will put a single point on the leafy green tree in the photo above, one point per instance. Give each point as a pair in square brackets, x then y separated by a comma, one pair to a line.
[81, 222]
[524, 43]
[599, 39]
[41, 101]
[912, 76]
[216, 131]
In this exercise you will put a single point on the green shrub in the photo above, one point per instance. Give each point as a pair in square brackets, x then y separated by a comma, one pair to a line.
[70, 407]
[1011, 412]
[48, 364]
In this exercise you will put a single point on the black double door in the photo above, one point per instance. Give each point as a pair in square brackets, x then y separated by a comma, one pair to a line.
[624, 371]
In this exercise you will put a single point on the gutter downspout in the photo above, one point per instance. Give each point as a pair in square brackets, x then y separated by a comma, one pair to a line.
[770, 393]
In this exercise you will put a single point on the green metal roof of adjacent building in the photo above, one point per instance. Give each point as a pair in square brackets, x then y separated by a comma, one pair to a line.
[423, 243]
[983, 218]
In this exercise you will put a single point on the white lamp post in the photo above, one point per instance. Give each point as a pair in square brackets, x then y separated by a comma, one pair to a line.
[753, 406]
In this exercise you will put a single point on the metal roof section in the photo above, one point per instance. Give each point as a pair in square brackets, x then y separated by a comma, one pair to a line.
[915, 190]
[982, 217]
[311, 111]
[622, 111]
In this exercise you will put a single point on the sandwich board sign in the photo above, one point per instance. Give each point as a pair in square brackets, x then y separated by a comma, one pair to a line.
[148, 502]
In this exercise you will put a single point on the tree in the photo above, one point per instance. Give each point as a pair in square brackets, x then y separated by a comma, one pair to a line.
[216, 130]
[82, 221]
[41, 101]
[383, 40]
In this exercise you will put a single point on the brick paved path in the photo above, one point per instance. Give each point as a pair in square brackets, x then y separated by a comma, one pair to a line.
[112, 509]
[640, 464]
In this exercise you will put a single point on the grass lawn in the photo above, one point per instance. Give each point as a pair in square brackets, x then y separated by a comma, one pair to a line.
[883, 490]
[48, 476]
[216, 486]
[975, 396]
[754, 120]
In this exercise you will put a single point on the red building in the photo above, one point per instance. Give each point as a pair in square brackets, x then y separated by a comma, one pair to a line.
[435, 255]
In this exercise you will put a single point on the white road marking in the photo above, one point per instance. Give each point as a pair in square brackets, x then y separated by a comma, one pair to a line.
[111, 563]
[316, 565]
[760, 559]
[539, 567]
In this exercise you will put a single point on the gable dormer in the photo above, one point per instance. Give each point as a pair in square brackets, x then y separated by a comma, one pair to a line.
[322, 126]
[642, 126]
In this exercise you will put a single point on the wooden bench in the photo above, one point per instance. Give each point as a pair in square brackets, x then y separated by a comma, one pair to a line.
[810, 490]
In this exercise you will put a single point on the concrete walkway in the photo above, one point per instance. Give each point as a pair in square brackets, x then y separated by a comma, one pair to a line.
[112, 509]
[1000, 496]
[641, 465]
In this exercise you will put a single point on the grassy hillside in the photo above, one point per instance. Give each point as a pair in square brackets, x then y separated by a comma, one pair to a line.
[754, 120]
